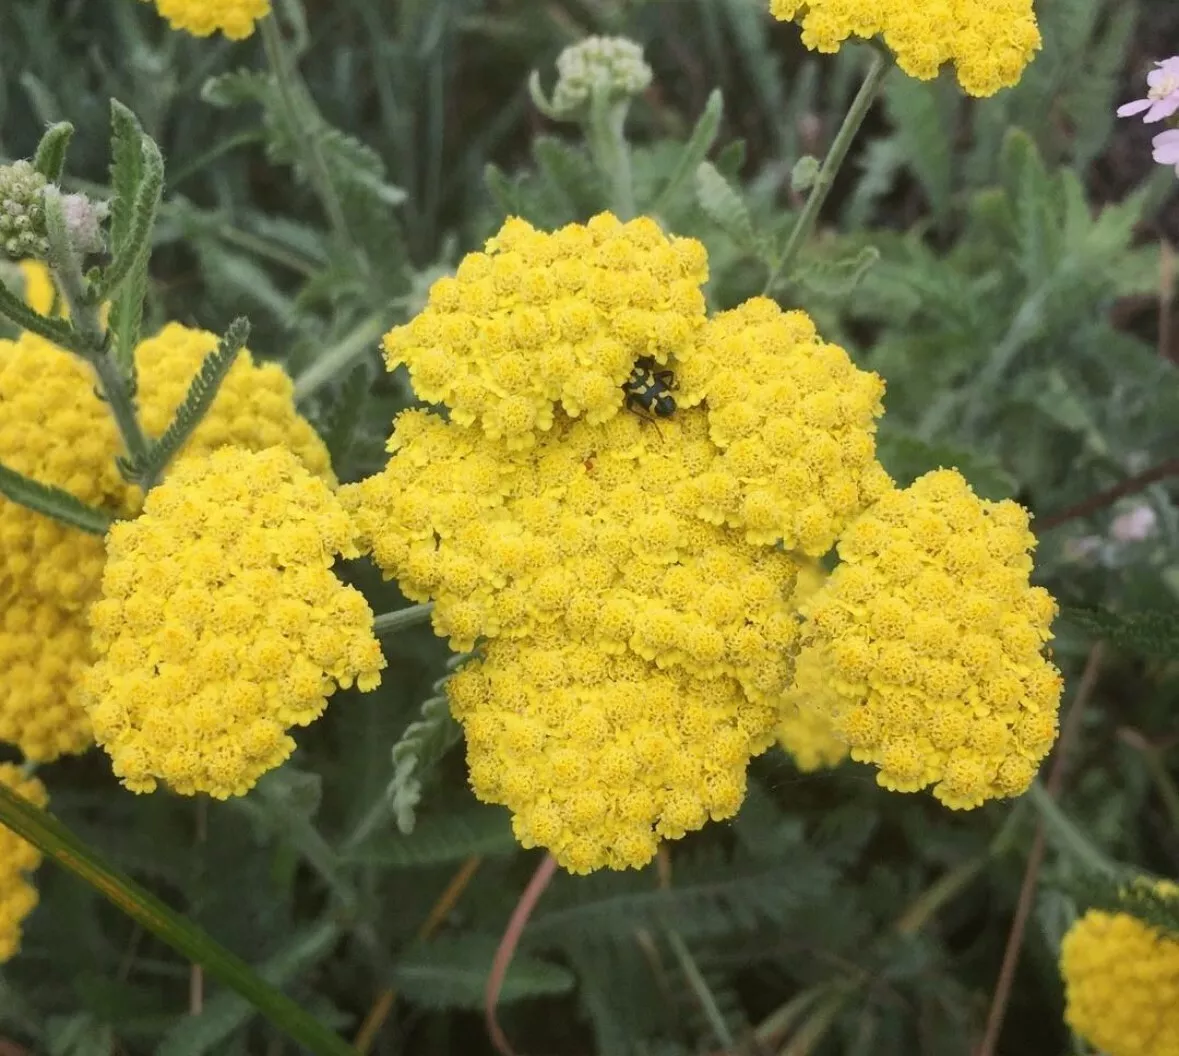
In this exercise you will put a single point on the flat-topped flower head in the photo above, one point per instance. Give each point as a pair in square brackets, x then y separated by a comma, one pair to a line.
[55, 429]
[604, 533]
[795, 420]
[613, 66]
[44, 651]
[804, 727]
[1162, 97]
[222, 625]
[1121, 981]
[935, 640]
[18, 859]
[203, 18]
[990, 42]
[543, 321]
[600, 755]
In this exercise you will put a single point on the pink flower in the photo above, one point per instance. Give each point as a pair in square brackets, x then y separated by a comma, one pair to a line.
[1166, 148]
[1163, 98]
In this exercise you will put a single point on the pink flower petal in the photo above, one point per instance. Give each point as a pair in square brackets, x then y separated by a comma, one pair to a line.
[1166, 147]
[1164, 107]
[1136, 107]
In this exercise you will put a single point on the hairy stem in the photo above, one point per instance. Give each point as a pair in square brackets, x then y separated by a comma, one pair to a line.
[401, 619]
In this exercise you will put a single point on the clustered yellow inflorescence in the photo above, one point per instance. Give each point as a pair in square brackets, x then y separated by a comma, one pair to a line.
[18, 858]
[540, 321]
[934, 640]
[222, 625]
[1122, 984]
[990, 42]
[202, 18]
[624, 574]
[55, 429]
[804, 725]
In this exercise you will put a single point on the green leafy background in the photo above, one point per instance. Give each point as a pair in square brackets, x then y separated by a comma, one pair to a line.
[999, 262]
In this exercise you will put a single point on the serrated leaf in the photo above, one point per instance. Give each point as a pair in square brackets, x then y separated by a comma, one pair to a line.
[451, 972]
[442, 838]
[421, 746]
[694, 151]
[131, 256]
[924, 116]
[53, 502]
[724, 206]
[128, 159]
[907, 457]
[226, 1012]
[503, 190]
[202, 391]
[837, 278]
[1152, 633]
[51, 151]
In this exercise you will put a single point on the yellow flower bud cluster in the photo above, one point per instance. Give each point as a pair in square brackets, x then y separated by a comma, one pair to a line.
[202, 18]
[804, 728]
[601, 754]
[990, 42]
[795, 419]
[222, 625]
[18, 858]
[55, 429]
[1122, 984]
[934, 638]
[544, 320]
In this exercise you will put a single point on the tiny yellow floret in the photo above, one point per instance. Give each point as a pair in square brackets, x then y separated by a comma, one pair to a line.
[934, 639]
[221, 624]
[990, 42]
[1121, 982]
[202, 18]
[18, 858]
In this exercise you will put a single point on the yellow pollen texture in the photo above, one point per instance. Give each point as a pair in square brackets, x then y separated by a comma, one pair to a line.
[55, 429]
[804, 729]
[221, 624]
[539, 321]
[934, 639]
[202, 18]
[1121, 982]
[18, 858]
[796, 422]
[990, 42]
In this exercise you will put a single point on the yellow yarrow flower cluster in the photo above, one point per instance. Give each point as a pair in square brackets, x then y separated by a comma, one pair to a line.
[934, 638]
[55, 429]
[202, 18]
[222, 625]
[796, 422]
[804, 728]
[40, 292]
[540, 321]
[18, 858]
[623, 569]
[1122, 984]
[990, 42]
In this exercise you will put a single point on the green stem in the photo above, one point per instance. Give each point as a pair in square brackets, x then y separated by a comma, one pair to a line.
[337, 359]
[91, 336]
[701, 990]
[606, 135]
[52, 838]
[865, 97]
[297, 109]
[1063, 833]
[393, 622]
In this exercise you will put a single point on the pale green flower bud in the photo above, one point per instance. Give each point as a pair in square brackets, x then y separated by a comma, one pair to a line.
[22, 212]
[613, 65]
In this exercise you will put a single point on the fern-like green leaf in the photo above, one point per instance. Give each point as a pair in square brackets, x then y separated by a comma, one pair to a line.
[56, 331]
[725, 207]
[1150, 633]
[132, 254]
[53, 502]
[695, 151]
[451, 972]
[421, 746]
[837, 278]
[441, 838]
[51, 151]
[201, 393]
[570, 172]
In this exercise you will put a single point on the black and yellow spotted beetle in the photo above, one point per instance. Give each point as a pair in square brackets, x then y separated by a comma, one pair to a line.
[648, 390]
